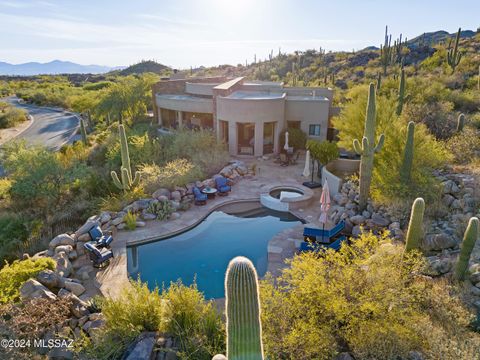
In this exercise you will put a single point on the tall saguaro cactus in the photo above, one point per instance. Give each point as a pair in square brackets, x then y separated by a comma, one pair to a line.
[386, 51]
[453, 56]
[367, 148]
[83, 132]
[125, 171]
[415, 226]
[406, 168]
[401, 93]
[460, 122]
[244, 328]
[468, 243]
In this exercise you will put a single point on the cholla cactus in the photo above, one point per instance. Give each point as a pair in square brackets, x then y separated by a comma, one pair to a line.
[244, 328]
[415, 226]
[367, 149]
[469, 239]
[128, 181]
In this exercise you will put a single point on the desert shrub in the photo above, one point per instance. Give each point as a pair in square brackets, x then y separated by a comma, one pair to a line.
[366, 299]
[5, 185]
[464, 146]
[296, 138]
[180, 311]
[323, 151]
[428, 154]
[14, 232]
[196, 324]
[177, 172]
[32, 320]
[200, 147]
[130, 221]
[438, 117]
[11, 116]
[116, 201]
[163, 209]
[13, 275]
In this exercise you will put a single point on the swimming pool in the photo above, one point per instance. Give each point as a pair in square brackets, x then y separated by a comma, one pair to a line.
[203, 253]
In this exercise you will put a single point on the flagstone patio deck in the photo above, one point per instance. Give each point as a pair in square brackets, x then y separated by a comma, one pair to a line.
[282, 246]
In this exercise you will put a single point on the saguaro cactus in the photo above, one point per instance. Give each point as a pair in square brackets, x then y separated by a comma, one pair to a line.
[125, 171]
[401, 93]
[453, 56]
[460, 122]
[83, 132]
[406, 168]
[244, 328]
[386, 52]
[367, 149]
[469, 239]
[415, 226]
[379, 81]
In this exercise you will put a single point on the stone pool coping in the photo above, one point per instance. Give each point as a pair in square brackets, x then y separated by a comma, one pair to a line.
[114, 278]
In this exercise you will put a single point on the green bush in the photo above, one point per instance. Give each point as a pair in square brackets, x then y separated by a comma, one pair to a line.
[13, 275]
[177, 172]
[195, 323]
[180, 311]
[130, 221]
[163, 209]
[429, 154]
[366, 299]
[14, 233]
[464, 146]
[296, 138]
[11, 116]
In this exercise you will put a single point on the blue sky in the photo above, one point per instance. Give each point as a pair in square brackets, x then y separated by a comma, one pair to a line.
[184, 33]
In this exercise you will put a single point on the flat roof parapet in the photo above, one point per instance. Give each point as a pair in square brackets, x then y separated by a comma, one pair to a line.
[227, 85]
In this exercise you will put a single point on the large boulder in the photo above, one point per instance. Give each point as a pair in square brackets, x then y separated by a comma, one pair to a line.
[78, 307]
[105, 217]
[92, 221]
[438, 242]
[161, 192]
[62, 239]
[50, 279]
[176, 196]
[74, 287]
[64, 266]
[63, 248]
[141, 348]
[32, 289]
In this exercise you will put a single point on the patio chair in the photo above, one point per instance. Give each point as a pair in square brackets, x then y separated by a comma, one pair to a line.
[100, 257]
[200, 199]
[222, 186]
[100, 239]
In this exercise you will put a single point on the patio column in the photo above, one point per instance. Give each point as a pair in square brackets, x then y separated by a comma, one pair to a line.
[276, 137]
[180, 118]
[259, 138]
[159, 113]
[232, 138]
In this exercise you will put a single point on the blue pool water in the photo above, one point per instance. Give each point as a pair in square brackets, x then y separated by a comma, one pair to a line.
[203, 253]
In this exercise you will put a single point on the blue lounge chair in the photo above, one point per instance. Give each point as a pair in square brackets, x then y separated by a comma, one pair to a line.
[222, 186]
[321, 235]
[99, 239]
[200, 199]
[99, 257]
[336, 245]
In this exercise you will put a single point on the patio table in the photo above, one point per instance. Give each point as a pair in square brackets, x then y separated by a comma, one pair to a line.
[210, 192]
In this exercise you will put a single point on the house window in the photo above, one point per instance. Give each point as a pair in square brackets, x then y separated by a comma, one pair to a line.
[314, 130]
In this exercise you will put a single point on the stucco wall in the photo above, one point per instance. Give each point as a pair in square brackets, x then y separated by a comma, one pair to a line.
[309, 112]
[255, 110]
[200, 105]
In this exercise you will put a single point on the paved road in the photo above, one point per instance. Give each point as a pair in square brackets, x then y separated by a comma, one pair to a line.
[50, 128]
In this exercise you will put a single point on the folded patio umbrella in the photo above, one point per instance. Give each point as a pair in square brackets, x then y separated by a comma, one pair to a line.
[286, 146]
[306, 169]
[324, 204]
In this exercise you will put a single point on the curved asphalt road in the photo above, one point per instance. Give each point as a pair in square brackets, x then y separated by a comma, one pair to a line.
[50, 128]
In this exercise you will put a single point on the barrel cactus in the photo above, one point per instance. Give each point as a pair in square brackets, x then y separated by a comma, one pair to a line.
[244, 327]
[460, 122]
[468, 243]
[127, 181]
[415, 226]
[367, 149]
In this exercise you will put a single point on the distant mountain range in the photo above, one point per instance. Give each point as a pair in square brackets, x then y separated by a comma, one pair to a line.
[53, 68]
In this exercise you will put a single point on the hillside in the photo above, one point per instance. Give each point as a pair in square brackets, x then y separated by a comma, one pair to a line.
[55, 67]
[144, 67]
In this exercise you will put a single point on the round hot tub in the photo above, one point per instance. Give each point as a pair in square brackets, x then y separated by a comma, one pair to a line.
[285, 192]
[286, 198]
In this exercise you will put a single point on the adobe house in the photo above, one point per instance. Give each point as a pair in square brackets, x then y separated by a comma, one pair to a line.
[247, 115]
